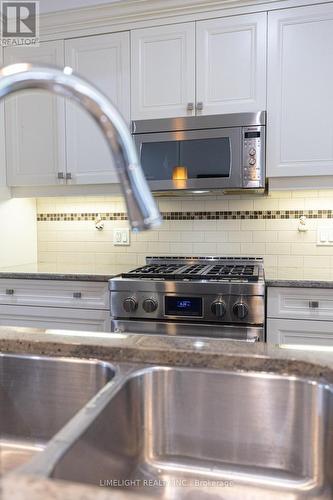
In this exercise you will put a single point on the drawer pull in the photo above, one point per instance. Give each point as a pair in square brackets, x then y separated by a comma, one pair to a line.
[313, 304]
[77, 295]
[10, 291]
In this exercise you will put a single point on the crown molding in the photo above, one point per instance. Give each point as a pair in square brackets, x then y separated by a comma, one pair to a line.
[89, 20]
[129, 14]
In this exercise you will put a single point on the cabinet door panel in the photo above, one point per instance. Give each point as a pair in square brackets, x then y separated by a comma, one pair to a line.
[103, 60]
[35, 124]
[231, 64]
[52, 293]
[300, 83]
[55, 318]
[163, 71]
[298, 332]
[300, 303]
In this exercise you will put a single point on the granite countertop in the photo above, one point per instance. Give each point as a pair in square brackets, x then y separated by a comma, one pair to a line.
[42, 272]
[176, 351]
[299, 283]
[150, 349]
[47, 272]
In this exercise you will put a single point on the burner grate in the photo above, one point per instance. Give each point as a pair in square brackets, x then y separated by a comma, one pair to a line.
[248, 272]
[200, 271]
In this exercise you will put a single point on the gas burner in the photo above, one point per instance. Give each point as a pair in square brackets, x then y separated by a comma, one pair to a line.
[198, 271]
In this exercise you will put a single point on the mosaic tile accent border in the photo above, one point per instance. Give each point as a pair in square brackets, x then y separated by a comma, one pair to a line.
[218, 215]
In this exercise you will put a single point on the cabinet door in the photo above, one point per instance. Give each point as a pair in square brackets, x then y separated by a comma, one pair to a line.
[231, 64]
[35, 124]
[87, 320]
[300, 303]
[295, 331]
[103, 60]
[163, 71]
[300, 91]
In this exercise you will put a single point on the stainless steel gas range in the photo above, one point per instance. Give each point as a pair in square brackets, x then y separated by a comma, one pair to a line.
[220, 297]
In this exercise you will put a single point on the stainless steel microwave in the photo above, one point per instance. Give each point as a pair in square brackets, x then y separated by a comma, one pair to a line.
[203, 153]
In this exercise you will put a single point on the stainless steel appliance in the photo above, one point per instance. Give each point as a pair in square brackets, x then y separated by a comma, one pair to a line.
[198, 296]
[219, 152]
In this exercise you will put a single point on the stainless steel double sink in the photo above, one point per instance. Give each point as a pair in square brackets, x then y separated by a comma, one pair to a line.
[167, 432]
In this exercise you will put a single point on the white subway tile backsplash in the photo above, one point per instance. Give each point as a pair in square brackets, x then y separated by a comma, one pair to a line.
[278, 248]
[192, 237]
[215, 236]
[240, 236]
[76, 246]
[253, 249]
[241, 204]
[265, 236]
[252, 224]
[182, 249]
[228, 249]
[204, 248]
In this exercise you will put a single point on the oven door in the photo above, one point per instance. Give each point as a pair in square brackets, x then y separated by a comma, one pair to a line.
[209, 330]
[192, 159]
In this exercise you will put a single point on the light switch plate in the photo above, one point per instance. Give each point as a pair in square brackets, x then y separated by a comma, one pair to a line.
[325, 236]
[121, 237]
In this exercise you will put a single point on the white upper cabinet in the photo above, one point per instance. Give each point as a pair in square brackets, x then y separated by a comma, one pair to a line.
[35, 124]
[231, 64]
[104, 60]
[300, 92]
[163, 71]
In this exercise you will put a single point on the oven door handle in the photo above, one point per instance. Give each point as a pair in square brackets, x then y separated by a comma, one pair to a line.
[197, 330]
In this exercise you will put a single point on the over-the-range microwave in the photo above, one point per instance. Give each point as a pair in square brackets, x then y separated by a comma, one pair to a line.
[203, 153]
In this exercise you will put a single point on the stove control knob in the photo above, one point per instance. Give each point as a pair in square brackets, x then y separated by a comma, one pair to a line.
[241, 310]
[130, 305]
[149, 305]
[218, 308]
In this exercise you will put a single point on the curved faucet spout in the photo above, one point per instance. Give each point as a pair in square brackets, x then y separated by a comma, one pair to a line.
[141, 207]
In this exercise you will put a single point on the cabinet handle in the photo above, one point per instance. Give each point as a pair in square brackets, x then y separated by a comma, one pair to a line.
[61, 175]
[199, 106]
[10, 291]
[77, 295]
[313, 304]
[190, 106]
[68, 176]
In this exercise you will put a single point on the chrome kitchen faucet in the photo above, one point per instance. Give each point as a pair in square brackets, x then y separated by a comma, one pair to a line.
[141, 207]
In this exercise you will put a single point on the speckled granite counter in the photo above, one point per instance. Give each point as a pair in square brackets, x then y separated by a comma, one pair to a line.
[177, 351]
[42, 272]
[156, 349]
[299, 283]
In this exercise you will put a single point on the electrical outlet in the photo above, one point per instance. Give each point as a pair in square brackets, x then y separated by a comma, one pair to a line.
[121, 237]
[325, 236]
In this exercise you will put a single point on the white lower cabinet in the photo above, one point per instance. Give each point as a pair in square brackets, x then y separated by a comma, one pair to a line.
[52, 304]
[301, 316]
[295, 331]
[55, 318]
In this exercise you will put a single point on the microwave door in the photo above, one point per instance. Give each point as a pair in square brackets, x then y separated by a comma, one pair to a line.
[192, 160]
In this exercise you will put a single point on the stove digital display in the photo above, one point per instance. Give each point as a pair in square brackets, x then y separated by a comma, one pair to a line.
[183, 306]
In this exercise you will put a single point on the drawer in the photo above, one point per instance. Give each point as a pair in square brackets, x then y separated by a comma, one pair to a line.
[299, 332]
[300, 303]
[52, 293]
[54, 318]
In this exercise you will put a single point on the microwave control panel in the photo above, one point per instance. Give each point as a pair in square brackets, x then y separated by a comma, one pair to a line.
[253, 157]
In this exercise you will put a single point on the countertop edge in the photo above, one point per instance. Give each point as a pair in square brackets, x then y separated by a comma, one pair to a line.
[56, 276]
[298, 283]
